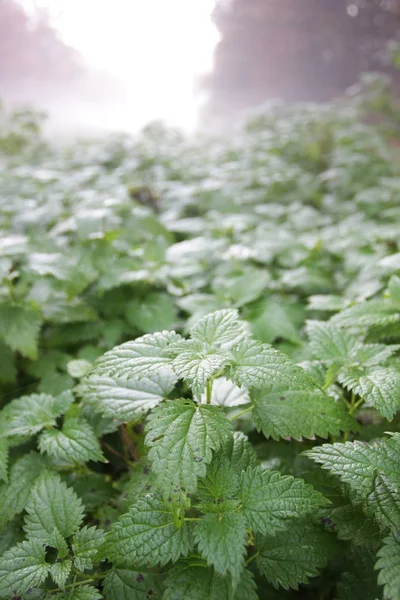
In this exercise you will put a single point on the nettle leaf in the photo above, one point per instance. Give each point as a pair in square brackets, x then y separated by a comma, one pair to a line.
[357, 463]
[85, 545]
[300, 413]
[4, 460]
[197, 366]
[127, 399]
[19, 328]
[76, 442]
[83, 592]
[368, 314]
[255, 365]
[78, 368]
[383, 502]
[221, 540]
[226, 394]
[60, 571]
[330, 343]
[222, 329]
[193, 582]
[359, 580]
[140, 358]
[153, 313]
[240, 452]
[220, 483]
[389, 566]
[124, 584]
[379, 387]
[147, 535]
[370, 355]
[181, 437]
[52, 505]
[22, 567]
[30, 414]
[291, 556]
[270, 499]
[23, 475]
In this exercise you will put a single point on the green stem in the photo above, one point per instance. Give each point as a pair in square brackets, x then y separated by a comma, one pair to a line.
[75, 583]
[192, 518]
[209, 391]
[245, 411]
[353, 405]
[249, 560]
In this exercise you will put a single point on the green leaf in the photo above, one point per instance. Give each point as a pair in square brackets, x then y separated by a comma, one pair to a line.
[275, 321]
[4, 460]
[140, 358]
[270, 499]
[85, 544]
[300, 413]
[83, 592]
[329, 343]
[222, 329]
[147, 535]
[8, 370]
[379, 387]
[19, 328]
[255, 365]
[221, 539]
[60, 571]
[76, 442]
[357, 463]
[28, 415]
[22, 567]
[220, 483]
[196, 366]
[240, 452]
[383, 502]
[389, 566]
[192, 582]
[52, 505]
[181, 437]
[23, 475]
[78, 368]
[293, 555]
[359, 579]
[126, 399]
[366, 315]
[153, 313]
[124, 584]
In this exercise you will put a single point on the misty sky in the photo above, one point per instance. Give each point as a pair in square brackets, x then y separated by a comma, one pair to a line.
[156, 47]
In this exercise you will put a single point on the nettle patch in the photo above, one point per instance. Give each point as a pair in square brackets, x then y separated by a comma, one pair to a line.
[200, 395]
[202, 516]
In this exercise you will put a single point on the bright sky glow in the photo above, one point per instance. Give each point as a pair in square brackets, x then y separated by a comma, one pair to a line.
[157, 48]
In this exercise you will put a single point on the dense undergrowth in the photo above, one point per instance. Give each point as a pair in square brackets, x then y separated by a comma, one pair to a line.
[200, 396]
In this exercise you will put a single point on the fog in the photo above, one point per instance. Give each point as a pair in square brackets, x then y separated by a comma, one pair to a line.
[139, 60]
[99, 65]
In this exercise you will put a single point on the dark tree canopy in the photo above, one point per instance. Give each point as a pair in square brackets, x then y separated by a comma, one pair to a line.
[31, 53]
[297, 49]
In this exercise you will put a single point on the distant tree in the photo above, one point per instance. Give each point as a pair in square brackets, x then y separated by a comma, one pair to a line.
[31, 51]
[296, 49]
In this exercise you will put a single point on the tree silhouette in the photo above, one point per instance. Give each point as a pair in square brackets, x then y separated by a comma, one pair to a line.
[31, 51]
[296, 49]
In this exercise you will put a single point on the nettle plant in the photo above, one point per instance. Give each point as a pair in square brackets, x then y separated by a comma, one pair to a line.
[195, 515]
[202, 516]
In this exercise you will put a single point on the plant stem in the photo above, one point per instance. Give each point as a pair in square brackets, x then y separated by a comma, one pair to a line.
[246, 410]
[353, 405]
[75, 583]
[249, 560]
[209, 391]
